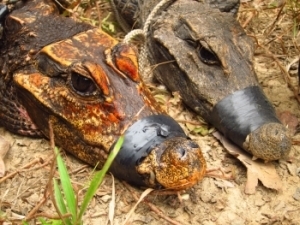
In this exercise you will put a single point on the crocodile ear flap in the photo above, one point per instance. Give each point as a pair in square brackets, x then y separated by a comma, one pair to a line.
[229, 6]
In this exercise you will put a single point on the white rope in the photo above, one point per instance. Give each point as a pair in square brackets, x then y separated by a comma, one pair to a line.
[143, 32]
[132, 34]
[143, 59]
[155, 11]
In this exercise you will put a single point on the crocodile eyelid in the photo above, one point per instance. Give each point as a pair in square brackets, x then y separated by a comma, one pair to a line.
[191, 42]
[109, 61]
[98, 75]
[49, 66]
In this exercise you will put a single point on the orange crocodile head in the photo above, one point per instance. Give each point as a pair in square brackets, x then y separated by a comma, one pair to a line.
[55, 70]
[88, 87]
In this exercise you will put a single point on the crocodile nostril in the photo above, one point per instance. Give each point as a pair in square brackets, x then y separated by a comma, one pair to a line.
[193, 144]
[140, 160]
[182, 152]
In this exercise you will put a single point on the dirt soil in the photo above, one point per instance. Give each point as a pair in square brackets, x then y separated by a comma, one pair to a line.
[212, 201]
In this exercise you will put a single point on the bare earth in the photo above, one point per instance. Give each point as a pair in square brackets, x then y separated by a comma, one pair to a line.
[214, 200]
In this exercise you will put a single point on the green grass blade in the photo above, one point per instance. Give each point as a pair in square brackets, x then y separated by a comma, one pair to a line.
[67, 188]
[59, 200]
[50, 222]
[98, 177]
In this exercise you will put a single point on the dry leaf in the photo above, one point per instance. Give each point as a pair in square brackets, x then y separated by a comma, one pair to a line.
[289, 120]
[4, 147]
[256, 170]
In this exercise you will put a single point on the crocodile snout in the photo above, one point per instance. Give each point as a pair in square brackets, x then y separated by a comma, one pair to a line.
[157, 153]
[269, 142]
[181, 165]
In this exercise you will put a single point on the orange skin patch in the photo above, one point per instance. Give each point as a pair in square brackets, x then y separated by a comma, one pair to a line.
[175, 165]
[126, 61]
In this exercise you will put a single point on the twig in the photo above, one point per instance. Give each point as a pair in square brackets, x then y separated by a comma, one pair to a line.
[275, 21]
[210, 173]
[166, 192]
[159, 212]
[40, 166]
[79, 169]
[248, 20]
[52, 217]
[284, 71]
[20, 170]
[32, 213]
[192, 122]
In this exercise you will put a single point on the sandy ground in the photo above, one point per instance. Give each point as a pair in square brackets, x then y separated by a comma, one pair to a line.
[212, 201]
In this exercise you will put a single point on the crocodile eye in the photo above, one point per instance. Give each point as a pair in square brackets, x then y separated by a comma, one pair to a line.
[182, 153]
[207, 56]
[82, 84]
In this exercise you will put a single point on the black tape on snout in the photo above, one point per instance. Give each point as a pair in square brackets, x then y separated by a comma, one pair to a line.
[242, 112]
[139, 140]
[3, 12]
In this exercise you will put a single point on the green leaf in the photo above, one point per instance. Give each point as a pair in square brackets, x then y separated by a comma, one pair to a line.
[50, 222]
[108, 26]
[60, 201]
[98, 177]
[67, 188]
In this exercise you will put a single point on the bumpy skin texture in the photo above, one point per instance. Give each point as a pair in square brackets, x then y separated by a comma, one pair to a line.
[199, 49]
[79, 79]
[175, 175]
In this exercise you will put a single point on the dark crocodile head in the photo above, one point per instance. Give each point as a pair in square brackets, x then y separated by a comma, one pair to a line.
[214, 73]
[213, 67]
[87, 87]
[199, 49]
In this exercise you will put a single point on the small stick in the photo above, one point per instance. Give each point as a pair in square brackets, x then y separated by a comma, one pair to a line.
[20, 170]
[284, 71]
[210, 173]
[159, 212]
[192, 122]
[248, 20]
[299, 76]
[31, 214]
[275, 21]
[53, 217]
[38, 167]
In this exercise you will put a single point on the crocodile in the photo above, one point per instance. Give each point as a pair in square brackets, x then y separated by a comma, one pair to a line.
[85, 84]
[198, 48]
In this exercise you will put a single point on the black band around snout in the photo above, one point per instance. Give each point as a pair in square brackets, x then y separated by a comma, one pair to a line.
[242, 112]
[139, 140]
[3, 12]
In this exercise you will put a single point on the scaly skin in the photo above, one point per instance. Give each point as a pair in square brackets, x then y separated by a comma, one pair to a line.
[199, 49]
[81, 81]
